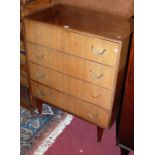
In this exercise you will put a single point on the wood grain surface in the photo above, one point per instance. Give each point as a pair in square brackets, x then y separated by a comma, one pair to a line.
[82, 20]
[66, 48]
[72, 86]
[80, 108]
[89, 71]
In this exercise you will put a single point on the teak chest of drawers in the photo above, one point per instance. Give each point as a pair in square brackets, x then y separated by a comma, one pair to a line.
[76, 60]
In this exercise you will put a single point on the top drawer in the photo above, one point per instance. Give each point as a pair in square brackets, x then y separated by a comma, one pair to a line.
[90, 48]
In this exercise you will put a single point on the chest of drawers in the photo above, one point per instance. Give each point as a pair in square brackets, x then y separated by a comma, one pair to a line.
[76, 60]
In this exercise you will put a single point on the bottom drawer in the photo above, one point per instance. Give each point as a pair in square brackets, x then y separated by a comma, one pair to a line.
[84, 110]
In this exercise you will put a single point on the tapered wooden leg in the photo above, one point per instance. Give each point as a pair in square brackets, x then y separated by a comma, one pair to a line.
[39, 106]
[99, 134]
[32, 101]
[124, 151]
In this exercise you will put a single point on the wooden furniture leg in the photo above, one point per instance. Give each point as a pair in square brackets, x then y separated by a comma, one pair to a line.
[32, 101]
[39, 106]
[99, 134]
[124, 151]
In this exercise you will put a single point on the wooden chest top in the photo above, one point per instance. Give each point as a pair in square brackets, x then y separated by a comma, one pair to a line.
[84, 21]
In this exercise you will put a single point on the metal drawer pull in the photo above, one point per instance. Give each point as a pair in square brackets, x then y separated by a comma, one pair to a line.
[95, 76]
[98, 53]
[39, 56]
[97, 96]
[41, 94]
[40, 75]
[92, 116]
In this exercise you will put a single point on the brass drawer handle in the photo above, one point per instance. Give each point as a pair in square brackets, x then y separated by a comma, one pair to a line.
[92, 116]
[39, 56]
[41, 93]
[40, 75]
[98, 53]
[95, 76]
[95, 96]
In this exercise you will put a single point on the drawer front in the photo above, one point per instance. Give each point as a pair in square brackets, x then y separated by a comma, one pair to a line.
[83, 69]
[22, 59]
[91, 48]
[72, 86]
[85, 110]
[38, 33]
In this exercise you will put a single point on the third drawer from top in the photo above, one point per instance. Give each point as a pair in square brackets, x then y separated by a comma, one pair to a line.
[72, 86]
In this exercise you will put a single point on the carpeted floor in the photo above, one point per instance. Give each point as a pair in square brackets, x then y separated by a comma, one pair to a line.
[79, 138]
[36, 128]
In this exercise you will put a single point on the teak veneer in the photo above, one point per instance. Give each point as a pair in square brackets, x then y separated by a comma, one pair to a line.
[84, 21]
[76, 60]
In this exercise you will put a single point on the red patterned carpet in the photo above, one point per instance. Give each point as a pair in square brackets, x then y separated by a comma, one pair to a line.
[79, 138]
